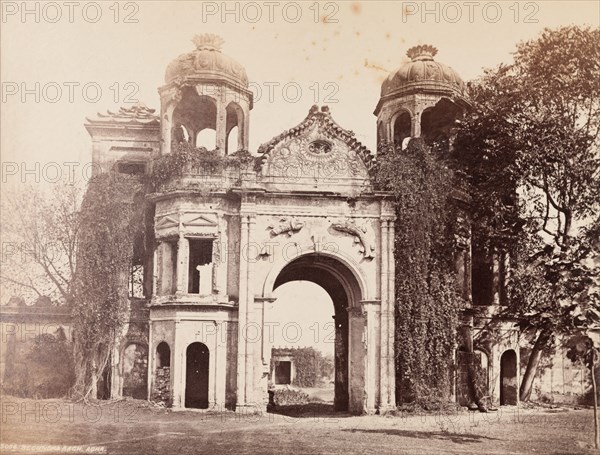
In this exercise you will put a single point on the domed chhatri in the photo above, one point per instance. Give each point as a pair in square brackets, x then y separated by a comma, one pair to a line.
[207, 62]
[422, 72]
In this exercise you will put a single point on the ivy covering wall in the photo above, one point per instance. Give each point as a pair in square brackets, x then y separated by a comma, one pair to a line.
[111, 219]
[427, 299]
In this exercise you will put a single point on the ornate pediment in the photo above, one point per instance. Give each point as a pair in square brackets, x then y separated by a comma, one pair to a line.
[197, 220]
[167, 222]
[318, 153]
[190, 223]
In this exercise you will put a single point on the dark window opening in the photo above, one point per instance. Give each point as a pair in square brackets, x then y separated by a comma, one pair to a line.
[283, 372]
[402, 128]
[437, 123]
[163, 355]
[131, 168]
[482, 276]
[508, 378]
[200, 271]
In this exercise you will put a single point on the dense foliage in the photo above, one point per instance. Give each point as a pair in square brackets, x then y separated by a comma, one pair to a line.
[427, 301]
[111, 218]
[186, 158]
[310, 366]
[39, 368]
[530, 144]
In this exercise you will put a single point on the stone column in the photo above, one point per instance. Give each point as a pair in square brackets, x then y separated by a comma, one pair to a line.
[390, 309]
[183, 259]
[242, 312]
[155, 268]
[384, 294]
[250, 315]
[166, 126]
[357, 361]
[221, 123]
[416, 124]
[212, 342]
[220, 365]
[244, 128]
[371, 310]
[151, 362]
[178, 368]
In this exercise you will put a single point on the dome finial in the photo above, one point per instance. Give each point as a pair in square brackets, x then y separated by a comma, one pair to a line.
[208, 41]
[422, 52]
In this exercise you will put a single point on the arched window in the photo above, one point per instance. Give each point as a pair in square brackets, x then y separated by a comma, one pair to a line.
[235, 116]
[401, 128]
[163, 355]
[197, 116]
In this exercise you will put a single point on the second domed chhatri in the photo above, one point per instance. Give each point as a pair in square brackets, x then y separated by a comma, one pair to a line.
[422, 73]
[207, 62]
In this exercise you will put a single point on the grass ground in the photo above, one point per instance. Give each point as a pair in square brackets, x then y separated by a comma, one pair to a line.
[134, 427]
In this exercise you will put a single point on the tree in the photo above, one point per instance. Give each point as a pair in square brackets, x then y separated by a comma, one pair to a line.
[110, 222]
[39, 234]
[585, 347]
[530, 145]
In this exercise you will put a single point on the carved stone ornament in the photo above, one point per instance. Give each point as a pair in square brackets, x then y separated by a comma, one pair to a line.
[360, 236]
[319, 147]
[286, 225]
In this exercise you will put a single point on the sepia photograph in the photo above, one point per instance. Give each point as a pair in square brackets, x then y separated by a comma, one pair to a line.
[300, 227]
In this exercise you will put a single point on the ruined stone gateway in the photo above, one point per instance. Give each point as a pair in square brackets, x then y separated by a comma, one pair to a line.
[224, 241]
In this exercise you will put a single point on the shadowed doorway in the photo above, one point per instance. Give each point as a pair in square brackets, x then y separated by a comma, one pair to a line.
[508, 378]
[196, 379]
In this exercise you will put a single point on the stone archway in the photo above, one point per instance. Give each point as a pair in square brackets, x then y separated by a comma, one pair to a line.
[196, 376]
[350, 351]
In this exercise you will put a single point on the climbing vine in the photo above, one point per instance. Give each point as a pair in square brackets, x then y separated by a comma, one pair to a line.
[111, 219]
[187, 158]
[427, 302]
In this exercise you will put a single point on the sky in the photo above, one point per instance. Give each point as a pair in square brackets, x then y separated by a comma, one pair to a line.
[334, 53]
[338, 58]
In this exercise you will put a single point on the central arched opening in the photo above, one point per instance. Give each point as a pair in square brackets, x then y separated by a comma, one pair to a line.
[196, 379]
[342, 293]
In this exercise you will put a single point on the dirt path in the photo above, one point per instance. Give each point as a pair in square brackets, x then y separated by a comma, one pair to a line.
[130, 428]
